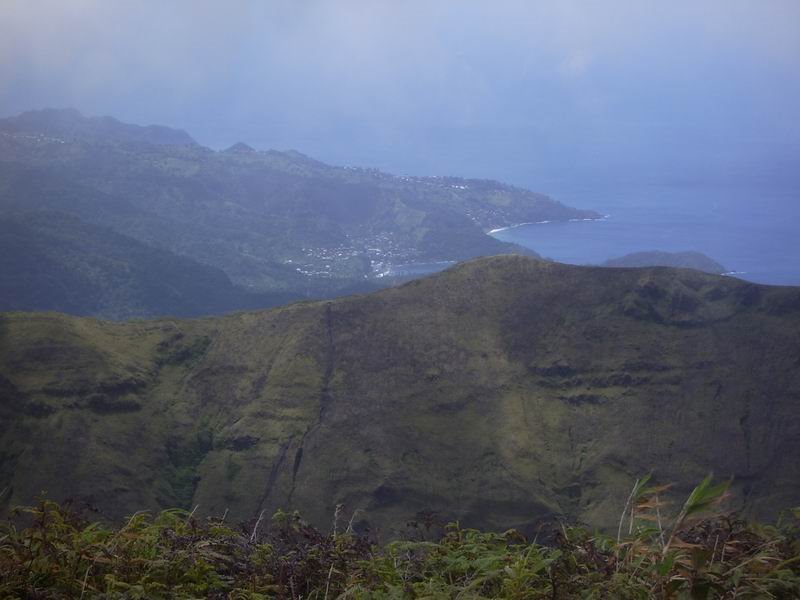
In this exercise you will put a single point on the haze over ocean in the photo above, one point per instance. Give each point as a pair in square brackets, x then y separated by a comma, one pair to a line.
[751, 230]
[590, 103]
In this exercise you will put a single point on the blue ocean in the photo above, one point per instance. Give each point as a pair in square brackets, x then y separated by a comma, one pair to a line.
[753, 231]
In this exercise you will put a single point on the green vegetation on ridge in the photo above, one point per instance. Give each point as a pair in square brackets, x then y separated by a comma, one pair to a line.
[503, 392]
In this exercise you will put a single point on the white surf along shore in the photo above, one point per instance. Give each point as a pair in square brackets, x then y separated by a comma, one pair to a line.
[499, 229]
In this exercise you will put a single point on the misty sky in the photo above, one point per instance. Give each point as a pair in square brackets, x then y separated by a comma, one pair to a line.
[528, 92]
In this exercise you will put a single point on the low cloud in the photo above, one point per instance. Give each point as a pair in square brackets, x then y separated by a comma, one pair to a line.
[504, 89]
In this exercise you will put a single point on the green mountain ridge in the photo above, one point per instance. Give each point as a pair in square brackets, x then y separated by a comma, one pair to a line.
[501, 392]
[54, 261]
[68, 124]
[658, 258]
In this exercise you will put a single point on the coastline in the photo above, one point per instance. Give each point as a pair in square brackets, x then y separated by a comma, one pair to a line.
[515, 225]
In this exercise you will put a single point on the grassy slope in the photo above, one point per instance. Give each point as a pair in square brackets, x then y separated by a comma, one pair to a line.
[53, 261]
[500, 392]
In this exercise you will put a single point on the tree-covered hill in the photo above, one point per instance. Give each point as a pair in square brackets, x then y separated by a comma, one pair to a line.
[502, 392]
[657, 258]
[271, 221]
[54, 261]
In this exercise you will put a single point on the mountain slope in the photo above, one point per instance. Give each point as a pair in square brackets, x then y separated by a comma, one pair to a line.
[500, 392]
[69, 125]
[52, 261]
[657, 258]
[272, 221]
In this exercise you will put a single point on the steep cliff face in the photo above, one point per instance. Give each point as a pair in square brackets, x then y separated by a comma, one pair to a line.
[500, 392]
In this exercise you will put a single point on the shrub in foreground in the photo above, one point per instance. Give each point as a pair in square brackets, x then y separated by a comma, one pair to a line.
[699, 552]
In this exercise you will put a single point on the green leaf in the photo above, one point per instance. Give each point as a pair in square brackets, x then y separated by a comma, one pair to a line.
[665, 566]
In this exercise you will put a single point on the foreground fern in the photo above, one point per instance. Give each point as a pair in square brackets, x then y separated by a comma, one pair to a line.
[174, 555]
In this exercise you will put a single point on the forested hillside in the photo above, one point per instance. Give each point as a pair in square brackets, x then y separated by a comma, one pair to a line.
[502, 392]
